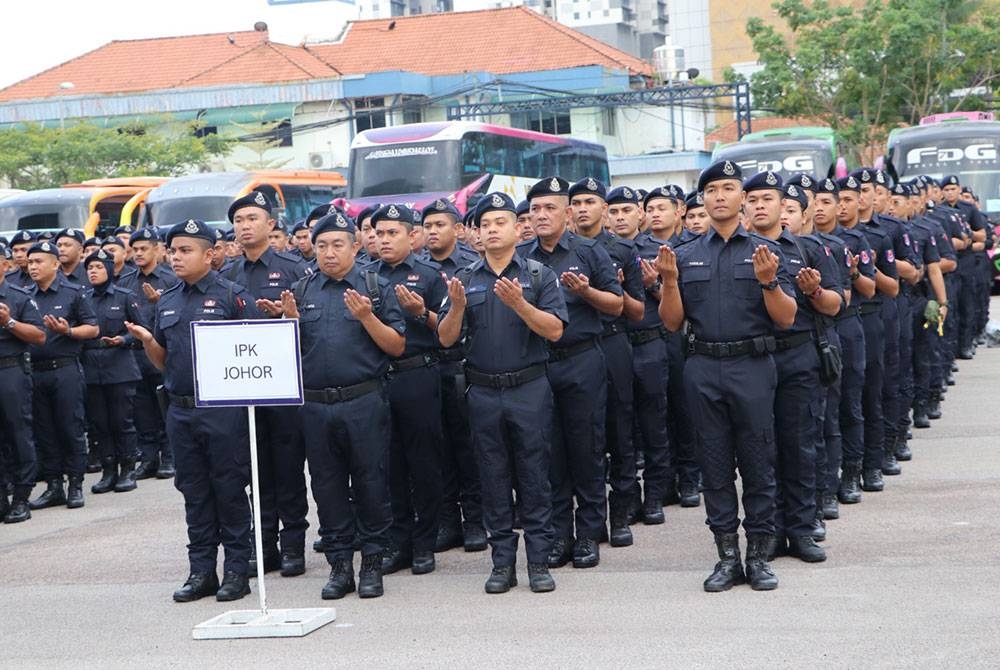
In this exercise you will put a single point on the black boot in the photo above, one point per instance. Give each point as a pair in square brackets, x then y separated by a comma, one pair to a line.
[872, 480]
[394, 561]
[474, 537]
[831, 507]
[539, 578]
[146, 469]
[890, 466]
[74, 493]
[652, 509]
[52, 496]
[109, 477]
[818, 531]
[94, 462]
[621, 534]
[689, 495]
[4, 503]
[166, 469]
[560, 554]
[502, 579]
[806, 549]
[728, 571]
[849, 492]
[234, 587]
[934, 406]
[293, 563]
[585, 553]
[920, 419]
[759, 573]
[341, 580]
[18, 511]
[197, 586]
[370, 577]
[449, 535]
[126, 479]
[903, 452]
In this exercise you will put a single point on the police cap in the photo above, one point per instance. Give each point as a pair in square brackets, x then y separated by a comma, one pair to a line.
[494, 202]
[72, 234]
[397, 213]
[828, 186]
[796, 193]
[319, 212]
[523, 207]
[864, 175]
[547, 186]
[22, 237]
[440, 206]
[588, 186]
[104, 257]
[663, 192]
[44, 248]
[694, 201]
[335, 221]
[191, 228]
[623, 195]
[251, 199]
[124, 230]
[147, 234]
[849, 183]
[802, 180]
[763, 181]
[950, 180]
[718, 171]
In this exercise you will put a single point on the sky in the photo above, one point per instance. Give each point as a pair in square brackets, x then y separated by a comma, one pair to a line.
[34, 40]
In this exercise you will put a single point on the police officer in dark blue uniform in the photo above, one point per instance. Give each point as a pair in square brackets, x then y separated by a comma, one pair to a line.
[969, 268]
[20, 326]
[800, 396]
[20, 243]
[151, 279]
[461, 518]
[508, 306]
[58, 388]
[350, 323]
[587, 200]
[577, 373]
[649, 359]
[119, 251]
[70, 244]
[414, 393]
[211, 444]
[732, 289]
[266, 273]
[111, 374]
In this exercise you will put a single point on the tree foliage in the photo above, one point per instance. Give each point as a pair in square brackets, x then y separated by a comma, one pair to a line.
[38, 157]
[865, 70]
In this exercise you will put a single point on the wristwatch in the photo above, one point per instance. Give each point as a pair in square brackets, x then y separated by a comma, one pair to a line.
[10, 324]
[423, 317]
[771, 285]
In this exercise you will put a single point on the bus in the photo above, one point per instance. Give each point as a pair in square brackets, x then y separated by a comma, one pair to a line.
[461, 161]
[96, 206]
[207, 196]
[966, 144]
[787, 151]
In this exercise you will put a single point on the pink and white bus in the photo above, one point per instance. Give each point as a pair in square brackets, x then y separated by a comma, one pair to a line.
[461, 161]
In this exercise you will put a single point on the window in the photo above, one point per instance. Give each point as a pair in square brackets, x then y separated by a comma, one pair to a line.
[608, 121]
[369, 113]
[554, 123]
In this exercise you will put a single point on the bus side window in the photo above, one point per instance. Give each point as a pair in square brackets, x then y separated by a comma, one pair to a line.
[472, 154]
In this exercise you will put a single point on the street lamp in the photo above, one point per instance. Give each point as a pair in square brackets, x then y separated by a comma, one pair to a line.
[64, 86]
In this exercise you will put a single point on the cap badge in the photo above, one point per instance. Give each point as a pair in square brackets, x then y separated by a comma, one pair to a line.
[792, 191]
[440, 205]
[627, 193]
[554, 185]
[191, 227]
[728, 169]
[806, 181]
[770, 179]
[392, 213]
[497, 201]
[591, 185]
[260, 199]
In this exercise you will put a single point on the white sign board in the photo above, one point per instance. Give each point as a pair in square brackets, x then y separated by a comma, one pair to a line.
[242, 363]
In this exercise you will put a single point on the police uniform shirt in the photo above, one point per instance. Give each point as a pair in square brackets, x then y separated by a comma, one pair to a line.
[65, 300]
[424, 279]
[19, 278]
[945, 248]
[496, 339]
[269, 275]
[125, 275]
[925, 237]
[723, 300]
[336, 348]
[857, 243]
[896, 233]
[212, 298]
[818, 257]
[160, 278]
[885, 257]
[683, 237]
[459, 258]
[23, 309]
[647, 247]
[113, 305]
[624, 257]
[78, 276]
[841, 260]
[578, 255]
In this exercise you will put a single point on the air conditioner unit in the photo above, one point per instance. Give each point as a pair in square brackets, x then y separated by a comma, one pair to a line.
[316, 160]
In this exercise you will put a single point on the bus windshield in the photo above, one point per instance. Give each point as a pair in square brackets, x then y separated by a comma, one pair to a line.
[174, 210]
[785, 158]
[419, 167]
[974, 158]
[51, 216]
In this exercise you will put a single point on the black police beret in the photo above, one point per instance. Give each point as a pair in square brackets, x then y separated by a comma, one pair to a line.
[802, 180]
[641, 192]
[589, 186]
[676, 191]
[220, 235]
[440, 206]
[882, 179]
[230, 235]
[694, 201]
[397, 213]
[864, 175]
[718, 171]
[796, 193]
[849, 183]
[623, 194]
[22, 237]
[900, 189]
[763, 181]
[105, 258]
[92, 242]
[111, 239]
[494, 202]
[299, 225]
[191, 228]
[44, 248]
[46, 236]
[366, 213]
[950, 180]
[548, 186]
[147, 234]
[663, 192]
[124, 230]
[319, 212]
[73, 234]
[827, 186]
[335, 221]
[523, 207]
[251, 199]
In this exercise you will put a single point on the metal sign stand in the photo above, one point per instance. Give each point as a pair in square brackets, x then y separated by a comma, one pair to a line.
[263, 622]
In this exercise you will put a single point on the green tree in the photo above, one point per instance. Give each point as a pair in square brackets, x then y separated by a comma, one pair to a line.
[260, 139]
[865, 70]
[38, 157]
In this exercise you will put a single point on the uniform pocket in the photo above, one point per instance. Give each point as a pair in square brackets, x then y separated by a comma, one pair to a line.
[695, 282]
[745, 282]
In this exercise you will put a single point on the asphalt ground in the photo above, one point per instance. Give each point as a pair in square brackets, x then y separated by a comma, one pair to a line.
[912, 581]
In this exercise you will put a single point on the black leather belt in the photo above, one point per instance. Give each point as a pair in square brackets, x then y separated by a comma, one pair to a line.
[613, 328]
[849, 312]
[758, 346]
[638, 337]
[182, 401]
[97, 344]
[52, 363]
[504, 380]
[870, 308]
[11, 361]
[562, 353]
[792, 341]
[331, 396]
[413, 362]
[450, 355]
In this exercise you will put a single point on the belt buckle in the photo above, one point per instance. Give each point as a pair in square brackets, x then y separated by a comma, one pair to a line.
[723, 349]
[509, 379]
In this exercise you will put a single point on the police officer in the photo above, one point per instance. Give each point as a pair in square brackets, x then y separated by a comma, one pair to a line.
[369, 243]
[969, 268]
[148, 283]
[58, 388]
[589, 209]
[799, 396]
[649, 359]
[266, 274]
[111, 374]
[20, 243]
[523, 212]
[301, 238]
[731, 287]
[277, 239]
[414, 393]
[577, 373]
[461, 518]
[696, 219]
[70, 245]
[219, 260]
[508, 307]
[211, 444]
[350, 323]
[20, 326]
[120, 254]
